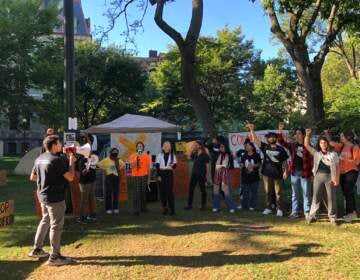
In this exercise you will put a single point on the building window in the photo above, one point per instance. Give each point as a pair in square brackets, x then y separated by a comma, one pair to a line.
[12, 148]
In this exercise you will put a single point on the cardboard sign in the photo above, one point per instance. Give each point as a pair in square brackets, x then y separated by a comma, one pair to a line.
[69, 138]
[7, 213]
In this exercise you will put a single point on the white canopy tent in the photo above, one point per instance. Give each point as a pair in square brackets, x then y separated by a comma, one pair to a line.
[129, 123]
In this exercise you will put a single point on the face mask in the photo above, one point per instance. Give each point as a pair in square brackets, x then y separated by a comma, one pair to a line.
[139, 152]
[114, 155]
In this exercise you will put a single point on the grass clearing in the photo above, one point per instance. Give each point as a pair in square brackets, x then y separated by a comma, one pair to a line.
[191, 245]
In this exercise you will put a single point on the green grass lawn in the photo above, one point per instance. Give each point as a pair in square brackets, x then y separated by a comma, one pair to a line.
[191, 245]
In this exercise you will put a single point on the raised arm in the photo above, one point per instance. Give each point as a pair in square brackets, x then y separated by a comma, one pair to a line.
[281, 139]
[253, 137]
[307, 141]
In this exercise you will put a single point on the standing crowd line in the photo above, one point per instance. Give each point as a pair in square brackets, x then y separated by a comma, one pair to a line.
[314, 170]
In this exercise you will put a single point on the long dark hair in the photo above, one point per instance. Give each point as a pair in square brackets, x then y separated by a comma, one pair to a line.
[322, 138]
[171, 151]
[140, 143]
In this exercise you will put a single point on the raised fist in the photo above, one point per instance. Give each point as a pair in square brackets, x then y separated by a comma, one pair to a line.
[281, 126]
[250, 126]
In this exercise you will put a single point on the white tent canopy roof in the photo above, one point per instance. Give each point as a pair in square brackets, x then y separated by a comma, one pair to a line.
[129, 123]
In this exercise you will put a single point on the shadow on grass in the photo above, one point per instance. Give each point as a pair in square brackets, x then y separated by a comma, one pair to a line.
[207, 259]
[17, 269]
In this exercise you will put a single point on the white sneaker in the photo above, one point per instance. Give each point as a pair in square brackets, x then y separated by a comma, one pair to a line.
[252, 209]
[348, 218]
[267, 211]
[232, 211]
[279, 213]
[239, 207]
[116, 211]
[108, 212]
[215, 210]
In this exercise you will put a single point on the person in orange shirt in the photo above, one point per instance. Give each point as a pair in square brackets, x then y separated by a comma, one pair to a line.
[349, 161]
[140, 175]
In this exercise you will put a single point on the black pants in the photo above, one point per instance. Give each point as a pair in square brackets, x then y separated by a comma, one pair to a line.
[348, 182]
[166, 187]
[139, 193]
[111, 192]
[197, 179]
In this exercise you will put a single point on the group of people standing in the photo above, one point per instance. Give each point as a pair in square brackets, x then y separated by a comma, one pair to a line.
[314, 171]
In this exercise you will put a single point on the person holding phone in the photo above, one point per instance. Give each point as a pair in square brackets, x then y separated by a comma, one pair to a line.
[140, 175]
[165, 165]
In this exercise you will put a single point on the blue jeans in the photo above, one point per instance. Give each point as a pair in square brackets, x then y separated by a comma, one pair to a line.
[228, 199]
[249, 194]
[297, 183]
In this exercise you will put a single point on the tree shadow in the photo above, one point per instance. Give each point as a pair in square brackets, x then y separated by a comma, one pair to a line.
[206, 259]
[17, 269]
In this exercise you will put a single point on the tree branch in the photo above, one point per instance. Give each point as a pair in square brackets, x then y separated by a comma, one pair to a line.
[275, 25]
[196, 22]
[331, 19]
[312, 20]
[164, 26]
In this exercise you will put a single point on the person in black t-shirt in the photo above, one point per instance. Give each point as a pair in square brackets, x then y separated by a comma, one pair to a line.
[87, 171]
[50, 173]
[200, 173]
[274, 169]
[250, 162]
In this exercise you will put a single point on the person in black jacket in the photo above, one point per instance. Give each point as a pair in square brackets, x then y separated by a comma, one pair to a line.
[87, 188]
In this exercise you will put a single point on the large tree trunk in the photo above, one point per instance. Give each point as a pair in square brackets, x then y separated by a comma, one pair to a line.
[309, 75]
[310, 79]
[192, 91]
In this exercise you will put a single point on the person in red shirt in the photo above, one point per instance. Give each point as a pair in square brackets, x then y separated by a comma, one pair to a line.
[349, 162]
[140, 175]
[300, 170]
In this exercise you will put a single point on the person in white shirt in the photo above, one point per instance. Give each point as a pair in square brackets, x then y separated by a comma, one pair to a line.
[165, 165]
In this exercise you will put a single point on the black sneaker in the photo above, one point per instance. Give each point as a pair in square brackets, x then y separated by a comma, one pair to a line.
[189, 207]
[165, 211]
[59, 260]
[38, 253]
[82, 220]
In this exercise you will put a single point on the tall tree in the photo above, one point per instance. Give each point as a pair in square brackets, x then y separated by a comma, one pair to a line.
[108, 83]
[187, 47]
[296, 23]
[225, 73]
[348, 49]
[24, 31]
